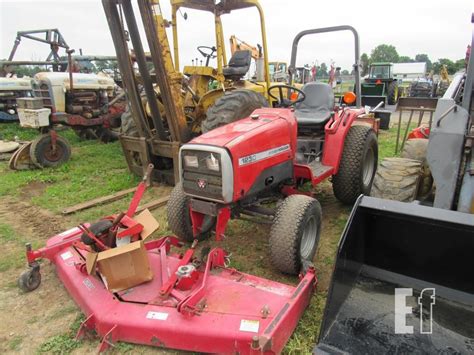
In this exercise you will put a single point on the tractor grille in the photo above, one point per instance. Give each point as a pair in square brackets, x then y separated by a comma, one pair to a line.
[200, 181]
[42, 90]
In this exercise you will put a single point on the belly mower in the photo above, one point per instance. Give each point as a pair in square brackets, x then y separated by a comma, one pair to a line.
[190, 304]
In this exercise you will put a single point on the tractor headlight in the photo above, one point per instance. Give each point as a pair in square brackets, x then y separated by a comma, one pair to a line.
[191, 161]
[212, 163]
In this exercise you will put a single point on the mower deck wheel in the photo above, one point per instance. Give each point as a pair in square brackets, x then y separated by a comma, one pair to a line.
[43, 155]
[30, 279]
[295, 232]
[358, 165]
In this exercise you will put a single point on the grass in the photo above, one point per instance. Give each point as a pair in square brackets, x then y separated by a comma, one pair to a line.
[96, 169]
[63, 343]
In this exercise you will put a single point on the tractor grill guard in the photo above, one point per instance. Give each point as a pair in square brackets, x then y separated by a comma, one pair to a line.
[199, 180]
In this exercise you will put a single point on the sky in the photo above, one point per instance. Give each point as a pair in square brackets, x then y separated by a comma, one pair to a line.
[439, 28]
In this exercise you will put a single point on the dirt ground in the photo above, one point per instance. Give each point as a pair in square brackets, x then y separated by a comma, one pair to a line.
[28, 320]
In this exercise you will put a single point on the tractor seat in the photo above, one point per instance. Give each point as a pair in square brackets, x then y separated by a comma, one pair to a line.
[316, 109]
[239, 65]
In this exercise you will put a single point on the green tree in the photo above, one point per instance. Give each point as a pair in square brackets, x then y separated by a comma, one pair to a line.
[449, 65]
[424, 58]
[364, 62]
[384, 53]
[405, 59]
[322, 71]
[345, 72]
[460, 64]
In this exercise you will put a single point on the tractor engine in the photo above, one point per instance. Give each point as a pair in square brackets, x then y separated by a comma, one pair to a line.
[89, 97]
[10, 90]
[247, 159]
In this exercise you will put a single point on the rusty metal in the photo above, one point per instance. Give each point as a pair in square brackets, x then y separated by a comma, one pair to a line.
[419, 105]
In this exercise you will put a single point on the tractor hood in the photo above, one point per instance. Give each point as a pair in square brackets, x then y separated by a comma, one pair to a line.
[15, 84]
[80, 80]
[242, 130]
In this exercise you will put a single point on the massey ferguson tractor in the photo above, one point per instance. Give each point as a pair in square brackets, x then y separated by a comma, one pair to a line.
[248, 166]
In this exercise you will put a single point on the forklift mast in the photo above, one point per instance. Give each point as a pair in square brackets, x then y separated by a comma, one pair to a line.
[158, 140]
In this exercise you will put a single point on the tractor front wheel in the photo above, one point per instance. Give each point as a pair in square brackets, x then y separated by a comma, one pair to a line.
[179, 216]
[392, 93]
[295, 232]
[358, 164]
[231, 107]
[44, 155]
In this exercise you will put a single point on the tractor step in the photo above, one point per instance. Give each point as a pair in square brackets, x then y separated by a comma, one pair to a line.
[318, 168]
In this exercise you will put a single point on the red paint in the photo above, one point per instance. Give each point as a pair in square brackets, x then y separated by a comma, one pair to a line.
[208, 317]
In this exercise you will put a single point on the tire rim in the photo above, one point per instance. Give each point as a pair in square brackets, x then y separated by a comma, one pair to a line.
[368, 167]
[308, 239]
[54, 156]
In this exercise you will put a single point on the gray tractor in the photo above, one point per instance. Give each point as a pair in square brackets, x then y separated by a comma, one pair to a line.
[414, 238]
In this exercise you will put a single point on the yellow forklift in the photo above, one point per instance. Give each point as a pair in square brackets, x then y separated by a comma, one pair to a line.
[168, 107]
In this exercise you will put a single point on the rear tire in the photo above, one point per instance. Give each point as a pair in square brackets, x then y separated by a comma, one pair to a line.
[128, 126]
[179, 217]
[358, 165]
[231, 107]
[417, 149]
[295, 233]
[397, 179]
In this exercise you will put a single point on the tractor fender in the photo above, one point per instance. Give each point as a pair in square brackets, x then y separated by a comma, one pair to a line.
[336, 131]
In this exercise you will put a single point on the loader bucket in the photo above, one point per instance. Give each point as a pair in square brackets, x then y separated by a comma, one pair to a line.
[388, 245]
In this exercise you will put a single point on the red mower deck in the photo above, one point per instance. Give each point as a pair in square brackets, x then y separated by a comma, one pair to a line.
[217, 309]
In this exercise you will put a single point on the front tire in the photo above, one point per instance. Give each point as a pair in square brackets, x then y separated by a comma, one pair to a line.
[392, 93]
[231, 107]
[43, 155]
[295, 233]
[179, 216]
[358, 165]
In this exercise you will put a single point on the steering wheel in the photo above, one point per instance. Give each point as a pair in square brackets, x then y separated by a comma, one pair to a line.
[283, 101]
[207, 52]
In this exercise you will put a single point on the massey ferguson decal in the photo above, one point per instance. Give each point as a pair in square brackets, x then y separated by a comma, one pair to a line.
[201, 183]
[249, 159]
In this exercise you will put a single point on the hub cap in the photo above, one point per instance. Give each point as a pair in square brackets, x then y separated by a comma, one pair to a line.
[368, 167]
[309, 238]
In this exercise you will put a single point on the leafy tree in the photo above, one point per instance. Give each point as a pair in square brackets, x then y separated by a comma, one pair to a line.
[364, 62]
[426, 59]
[450, 65]
[405, 59]
[322, 71]
[27, 70]
[345, 72]
[384, 53]
[460, 64]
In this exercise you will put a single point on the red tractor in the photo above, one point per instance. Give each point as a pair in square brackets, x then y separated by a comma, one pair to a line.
[245, 167]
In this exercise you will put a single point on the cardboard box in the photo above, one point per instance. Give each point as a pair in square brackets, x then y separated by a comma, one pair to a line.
[125, 266]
